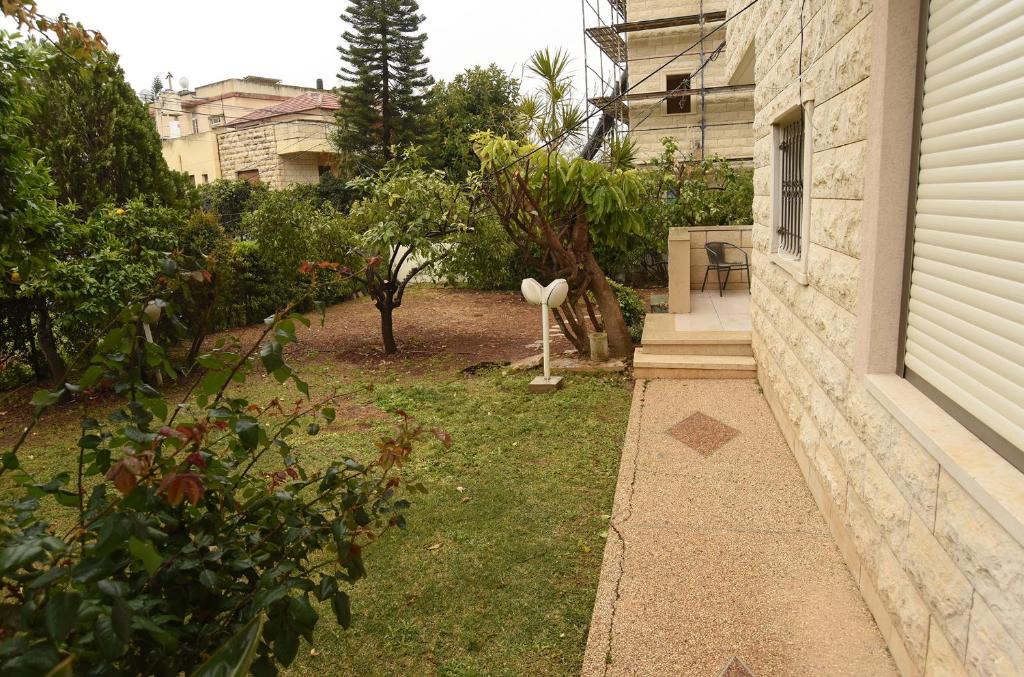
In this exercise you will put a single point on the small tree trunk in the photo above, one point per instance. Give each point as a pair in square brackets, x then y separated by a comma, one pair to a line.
[387, 328]
[619, 342]
[48, 344]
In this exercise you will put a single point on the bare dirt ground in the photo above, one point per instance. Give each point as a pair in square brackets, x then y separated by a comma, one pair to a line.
[436, 328]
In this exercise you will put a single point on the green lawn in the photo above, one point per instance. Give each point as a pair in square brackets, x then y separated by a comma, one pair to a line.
[497, 570]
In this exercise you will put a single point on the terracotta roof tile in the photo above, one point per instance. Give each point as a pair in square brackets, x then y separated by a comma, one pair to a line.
[298, 104]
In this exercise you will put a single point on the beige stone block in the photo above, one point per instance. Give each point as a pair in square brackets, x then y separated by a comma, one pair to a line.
[836, 224]
[835, 275]
[887, 506]
[832, 476]
[913, 470]
[839, 172]
[990, 650]
[842, 119]
[990, 558]
[942, 585]
[867, 537]
[909, 611]
[942, 660]
[679, 253]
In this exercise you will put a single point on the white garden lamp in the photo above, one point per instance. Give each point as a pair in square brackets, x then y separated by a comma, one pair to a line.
[551, 296]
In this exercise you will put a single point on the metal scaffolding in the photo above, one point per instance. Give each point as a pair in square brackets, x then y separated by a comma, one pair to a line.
[606, 72]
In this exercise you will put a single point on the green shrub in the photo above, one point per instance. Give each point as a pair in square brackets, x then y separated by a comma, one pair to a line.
[633, 309]
[231, 200]
[191, 538]
[485, 258]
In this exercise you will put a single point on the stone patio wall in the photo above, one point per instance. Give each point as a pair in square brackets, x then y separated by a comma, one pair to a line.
[737, 235]
[942, 576]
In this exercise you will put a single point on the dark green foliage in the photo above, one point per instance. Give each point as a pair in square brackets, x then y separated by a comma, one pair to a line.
[476, 100]
[97, 137]
[26, 191]
[230, 200]
[485, 258]
[384, 75]
[633, 309]
[192, 537]
[678, 193]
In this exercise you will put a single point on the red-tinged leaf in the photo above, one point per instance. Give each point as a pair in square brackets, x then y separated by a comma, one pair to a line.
[373, 262]
[305, 268]
[126, 472]
[196, 459]
[171, 432]
[177, 487]
[443, 436]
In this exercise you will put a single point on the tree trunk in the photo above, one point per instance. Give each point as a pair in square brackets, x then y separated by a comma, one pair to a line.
[48, 345]
[619, 342]
[387, 329]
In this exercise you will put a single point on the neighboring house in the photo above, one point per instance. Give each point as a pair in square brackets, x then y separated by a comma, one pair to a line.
[251, 128]
[706, 115]
[888, 300]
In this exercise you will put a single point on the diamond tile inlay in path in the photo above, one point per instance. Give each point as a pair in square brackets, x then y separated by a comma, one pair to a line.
[736, 668]
[703, 434]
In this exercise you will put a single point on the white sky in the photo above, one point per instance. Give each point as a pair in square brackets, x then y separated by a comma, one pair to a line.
[296, 41]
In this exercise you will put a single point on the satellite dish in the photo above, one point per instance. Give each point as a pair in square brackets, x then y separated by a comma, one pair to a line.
[183, 83]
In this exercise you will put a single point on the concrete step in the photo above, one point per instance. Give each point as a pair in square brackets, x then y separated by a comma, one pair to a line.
[702, 346]
[646, 365]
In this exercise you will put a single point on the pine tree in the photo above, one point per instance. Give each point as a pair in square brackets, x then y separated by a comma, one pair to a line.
[385, 77]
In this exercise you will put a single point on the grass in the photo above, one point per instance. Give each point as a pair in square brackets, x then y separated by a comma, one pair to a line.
[497, 570]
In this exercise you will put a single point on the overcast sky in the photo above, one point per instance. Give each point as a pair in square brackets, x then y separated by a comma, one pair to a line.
[297, 40]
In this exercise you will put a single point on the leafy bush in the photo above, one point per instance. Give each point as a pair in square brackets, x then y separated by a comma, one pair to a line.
[231, 200]
[633, 309]
[192, 535]
[485, 258]
[678, 192]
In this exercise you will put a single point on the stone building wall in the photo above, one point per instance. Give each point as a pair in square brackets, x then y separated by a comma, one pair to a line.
[260, 147]
[251, 148]
[727, 116]
[942, 576]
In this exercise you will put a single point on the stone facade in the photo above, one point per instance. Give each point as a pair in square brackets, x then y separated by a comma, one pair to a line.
[943, 577]
[285, 153]
[727, 130]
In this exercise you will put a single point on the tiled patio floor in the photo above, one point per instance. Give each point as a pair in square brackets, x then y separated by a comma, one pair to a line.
[719, 553]
[711, 312]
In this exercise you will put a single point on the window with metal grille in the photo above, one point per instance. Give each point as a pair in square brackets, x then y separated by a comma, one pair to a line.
[677, 104]
[790, 165]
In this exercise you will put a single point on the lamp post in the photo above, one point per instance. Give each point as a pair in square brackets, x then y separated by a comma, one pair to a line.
[551, 296]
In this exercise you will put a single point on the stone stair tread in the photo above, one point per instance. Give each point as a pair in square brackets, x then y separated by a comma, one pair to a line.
[659, 361]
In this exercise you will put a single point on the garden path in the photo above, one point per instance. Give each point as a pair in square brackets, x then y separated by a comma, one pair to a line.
[717, 560]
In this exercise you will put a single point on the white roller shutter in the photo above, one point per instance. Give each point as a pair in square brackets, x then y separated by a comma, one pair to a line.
[965, 324]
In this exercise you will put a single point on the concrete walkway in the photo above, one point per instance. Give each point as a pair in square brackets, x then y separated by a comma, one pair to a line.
[717, 560]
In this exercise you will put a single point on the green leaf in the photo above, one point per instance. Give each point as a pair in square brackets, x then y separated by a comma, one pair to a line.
[328, 414]
[63, 669]
[121, 616]
[213, 381]
[286, 646]
[235, 657]
[62, 614]
[248, 433]
[144, 551]
[10, 460]
[312, 429]
[109, 643]
[342, 609]
[208, 579]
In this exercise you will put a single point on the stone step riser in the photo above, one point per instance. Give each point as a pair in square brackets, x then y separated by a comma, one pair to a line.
[679, 373]
[742, 349]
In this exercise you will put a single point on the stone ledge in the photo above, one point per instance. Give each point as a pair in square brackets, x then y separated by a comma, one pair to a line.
[986, 476]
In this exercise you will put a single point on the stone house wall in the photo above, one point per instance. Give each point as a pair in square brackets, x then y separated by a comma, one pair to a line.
[941, 569]
[727, 116]
[259, 147]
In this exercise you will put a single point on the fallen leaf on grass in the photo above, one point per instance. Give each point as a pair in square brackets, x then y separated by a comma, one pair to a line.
[435, 546]
[465, 499]
[314, 652]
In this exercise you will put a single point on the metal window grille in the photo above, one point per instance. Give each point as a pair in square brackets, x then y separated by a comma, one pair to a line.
[791, 168]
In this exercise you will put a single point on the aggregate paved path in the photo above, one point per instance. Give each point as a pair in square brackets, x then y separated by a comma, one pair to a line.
[718, 561]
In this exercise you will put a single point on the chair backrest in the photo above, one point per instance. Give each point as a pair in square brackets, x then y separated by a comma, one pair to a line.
[716, 252]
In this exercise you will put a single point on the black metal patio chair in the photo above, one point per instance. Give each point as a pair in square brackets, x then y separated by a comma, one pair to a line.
[716, 262]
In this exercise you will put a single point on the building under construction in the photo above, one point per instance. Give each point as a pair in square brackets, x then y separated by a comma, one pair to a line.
[627, 46]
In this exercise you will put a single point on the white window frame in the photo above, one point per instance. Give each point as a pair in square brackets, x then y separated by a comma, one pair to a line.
[796, 267]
